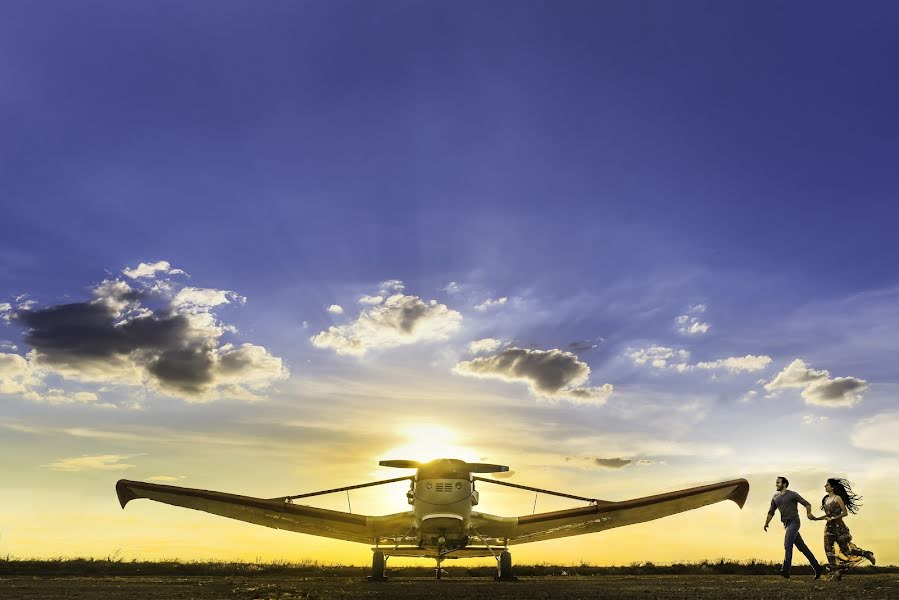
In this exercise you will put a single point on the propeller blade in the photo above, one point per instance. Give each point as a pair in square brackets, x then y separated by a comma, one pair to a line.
[400, 464]
[485, 468]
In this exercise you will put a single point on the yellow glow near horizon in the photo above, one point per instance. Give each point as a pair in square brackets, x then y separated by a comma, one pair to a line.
[425, 442]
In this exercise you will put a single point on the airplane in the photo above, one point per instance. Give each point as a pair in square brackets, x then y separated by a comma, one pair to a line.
[441, 524]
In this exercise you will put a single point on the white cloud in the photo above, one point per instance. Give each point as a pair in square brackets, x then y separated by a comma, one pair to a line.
[491, 303]
[400, 320]
[5, 311]
[813, 419]
[165, 478]
[202, 298]
[688, 325]
[371, 300]
[146, 270]
[748, 396]
[103, 462]
[697, 308]
[737, 364]
[335, 309]
[452, 287]
[17, 374]
[484, 345]
[391, 285]
[660, 357]
[548, 374]
[879, 433]
[818, 388]
[663, 357]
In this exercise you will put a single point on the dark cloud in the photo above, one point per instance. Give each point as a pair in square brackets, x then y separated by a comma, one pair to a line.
[549, 373]
[581, 346]
[72, 332]
[114, 338]
[612, 463]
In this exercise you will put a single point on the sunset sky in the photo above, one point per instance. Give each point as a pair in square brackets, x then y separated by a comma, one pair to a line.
[622, 247]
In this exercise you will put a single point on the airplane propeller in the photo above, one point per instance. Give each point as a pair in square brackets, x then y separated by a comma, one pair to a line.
[462, 465]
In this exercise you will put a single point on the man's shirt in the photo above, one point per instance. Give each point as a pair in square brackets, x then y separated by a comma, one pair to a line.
[786, 504]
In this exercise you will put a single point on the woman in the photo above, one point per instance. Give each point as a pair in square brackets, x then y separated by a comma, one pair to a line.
[837, 504]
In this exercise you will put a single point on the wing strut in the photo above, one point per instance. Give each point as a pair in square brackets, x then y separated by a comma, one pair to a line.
[536, 489]
[343, 489]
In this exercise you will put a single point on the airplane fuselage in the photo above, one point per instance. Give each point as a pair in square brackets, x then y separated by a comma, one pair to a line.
[442, 499]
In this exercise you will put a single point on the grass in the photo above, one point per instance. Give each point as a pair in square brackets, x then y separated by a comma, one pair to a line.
[115, 565]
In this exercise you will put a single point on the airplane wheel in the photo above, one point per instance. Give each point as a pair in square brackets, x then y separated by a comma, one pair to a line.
[377, 566]
[505, 566]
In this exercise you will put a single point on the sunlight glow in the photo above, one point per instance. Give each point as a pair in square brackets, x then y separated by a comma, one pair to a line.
[425, 442]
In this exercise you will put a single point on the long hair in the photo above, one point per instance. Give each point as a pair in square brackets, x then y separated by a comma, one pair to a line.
[842, 489]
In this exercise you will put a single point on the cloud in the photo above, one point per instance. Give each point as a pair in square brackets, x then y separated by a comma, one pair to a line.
[813, 419]
[662, 357]
[818, 388]
[688, 325]
[583, 345]
[548, 373]
[391, 285]
[737, 364]
[5, 311]
[335, 309]
[371, 300]
[484, 345]
[166, 478]
[879, 433]
[697, 308]
[612, 463]
[103, 462]
[148, 270]
[452, 287]
[491, 303]
[748, 396]
[201, 298]
[17, 375]
[400, 320]
[173, 347]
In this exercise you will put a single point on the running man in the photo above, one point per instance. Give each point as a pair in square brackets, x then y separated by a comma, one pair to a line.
[785, 501]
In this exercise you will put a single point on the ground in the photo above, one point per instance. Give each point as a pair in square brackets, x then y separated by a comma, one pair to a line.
[645, 587]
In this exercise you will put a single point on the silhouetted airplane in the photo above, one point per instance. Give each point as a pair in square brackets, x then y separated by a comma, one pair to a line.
[441, 523]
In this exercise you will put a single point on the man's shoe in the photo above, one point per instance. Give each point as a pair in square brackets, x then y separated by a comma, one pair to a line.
[818, 571]
[870, 556]
[784, 574]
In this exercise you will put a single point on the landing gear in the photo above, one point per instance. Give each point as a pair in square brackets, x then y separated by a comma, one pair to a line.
[378, 566]
[504, 567]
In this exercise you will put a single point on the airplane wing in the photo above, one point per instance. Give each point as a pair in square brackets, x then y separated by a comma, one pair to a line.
[275, 512]
[606, 515]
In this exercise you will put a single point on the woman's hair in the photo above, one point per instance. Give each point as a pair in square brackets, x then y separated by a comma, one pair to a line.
[842, 489]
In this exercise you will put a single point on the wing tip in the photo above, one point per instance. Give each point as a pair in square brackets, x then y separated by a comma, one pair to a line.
[740, 493]
[124, 493]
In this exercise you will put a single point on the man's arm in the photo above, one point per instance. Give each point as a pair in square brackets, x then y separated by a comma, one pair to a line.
[770, 514]
[807, 505]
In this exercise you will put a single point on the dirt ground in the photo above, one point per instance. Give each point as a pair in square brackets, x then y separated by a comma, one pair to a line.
[327, 588]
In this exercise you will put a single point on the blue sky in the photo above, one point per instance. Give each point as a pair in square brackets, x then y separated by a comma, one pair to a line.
[618, 172]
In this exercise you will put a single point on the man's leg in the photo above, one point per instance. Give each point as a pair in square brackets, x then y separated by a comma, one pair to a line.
[792, 530]
[803, 547]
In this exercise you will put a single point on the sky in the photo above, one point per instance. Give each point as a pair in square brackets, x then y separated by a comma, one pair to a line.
[622, 247]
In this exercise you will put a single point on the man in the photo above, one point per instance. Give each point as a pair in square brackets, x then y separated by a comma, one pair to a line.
[785, 501]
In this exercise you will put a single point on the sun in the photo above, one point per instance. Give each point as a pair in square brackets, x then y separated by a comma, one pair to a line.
[425, 442]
